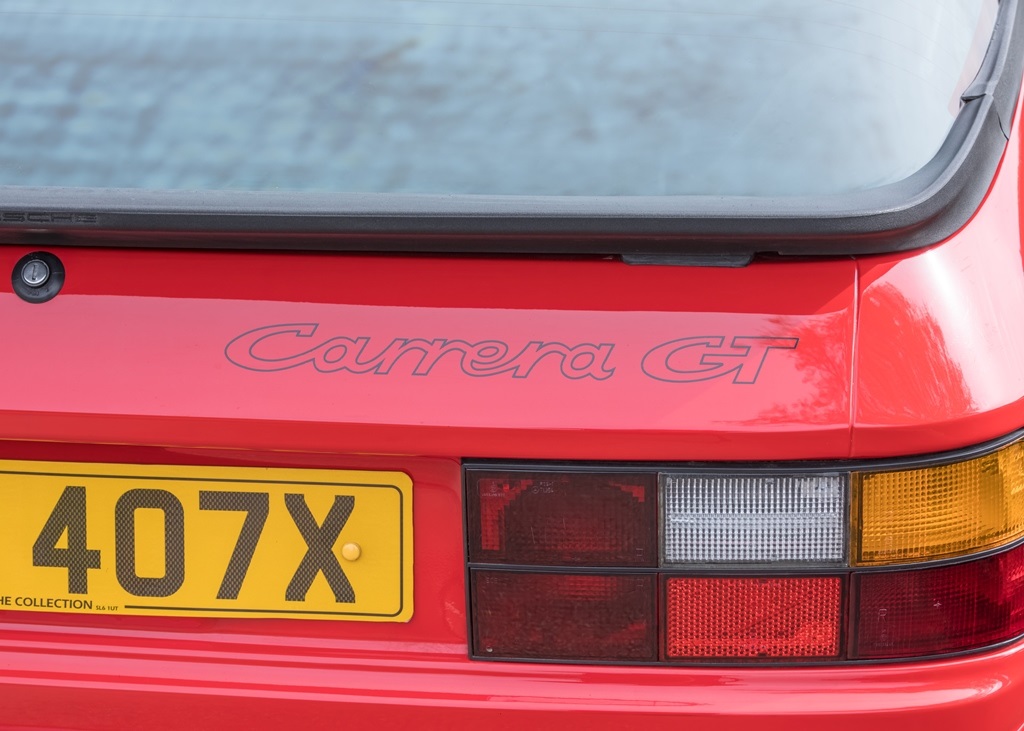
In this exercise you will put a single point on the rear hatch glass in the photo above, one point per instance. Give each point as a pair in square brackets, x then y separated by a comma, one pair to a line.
[585, 98]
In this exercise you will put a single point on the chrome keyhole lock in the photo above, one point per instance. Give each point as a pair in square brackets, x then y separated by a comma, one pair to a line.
[35, 273]
[38, 277]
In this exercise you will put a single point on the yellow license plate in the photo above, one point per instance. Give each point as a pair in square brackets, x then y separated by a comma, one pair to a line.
[205, 541]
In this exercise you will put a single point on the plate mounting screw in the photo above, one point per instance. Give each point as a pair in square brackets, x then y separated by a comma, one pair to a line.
[351, 551]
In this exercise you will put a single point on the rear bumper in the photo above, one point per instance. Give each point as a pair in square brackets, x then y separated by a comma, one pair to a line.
[54, 679]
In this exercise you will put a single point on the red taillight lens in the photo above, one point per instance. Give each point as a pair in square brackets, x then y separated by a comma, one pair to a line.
[732, 618]
[564, 616]
[563, 519]
[934, 611]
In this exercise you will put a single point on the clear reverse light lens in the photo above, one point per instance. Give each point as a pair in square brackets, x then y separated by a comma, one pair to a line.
[749, 519]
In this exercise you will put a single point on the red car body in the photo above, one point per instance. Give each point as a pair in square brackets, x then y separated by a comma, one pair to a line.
[130, 365]
[161, 357]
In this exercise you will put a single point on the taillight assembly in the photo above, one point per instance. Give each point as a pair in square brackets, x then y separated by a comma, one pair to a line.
[718, 565]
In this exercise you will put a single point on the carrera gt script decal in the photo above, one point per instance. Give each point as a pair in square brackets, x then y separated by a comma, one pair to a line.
[280, 347]
[688, 360]
[683, 360]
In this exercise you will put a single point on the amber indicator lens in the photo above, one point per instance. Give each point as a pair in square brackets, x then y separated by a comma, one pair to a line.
[751, 519]
[940, 610]
[564, 616]
[943, 511]
[562, 519]
[752, 618]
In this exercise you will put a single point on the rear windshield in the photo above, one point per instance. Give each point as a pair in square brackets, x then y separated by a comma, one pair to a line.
[575, 98]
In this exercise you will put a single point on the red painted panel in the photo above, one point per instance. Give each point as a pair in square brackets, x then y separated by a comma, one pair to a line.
[99, 682]
[752, 364]
[939, 342]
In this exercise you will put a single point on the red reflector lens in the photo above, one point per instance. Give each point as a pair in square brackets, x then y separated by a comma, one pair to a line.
[564, 616]
[946, 609]
[718, 618]
[563, 519]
